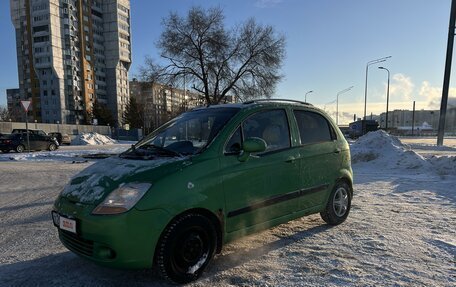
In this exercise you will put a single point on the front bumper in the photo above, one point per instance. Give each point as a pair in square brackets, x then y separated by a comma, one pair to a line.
[125, 240]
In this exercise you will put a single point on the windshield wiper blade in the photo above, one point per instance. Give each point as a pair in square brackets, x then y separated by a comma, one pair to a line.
[161, 149]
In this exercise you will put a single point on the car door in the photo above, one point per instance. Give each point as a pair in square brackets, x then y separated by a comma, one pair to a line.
[262, 188]
[319, 157]
[34, 141]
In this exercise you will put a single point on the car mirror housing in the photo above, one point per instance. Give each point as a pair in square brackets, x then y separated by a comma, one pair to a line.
[252, 145]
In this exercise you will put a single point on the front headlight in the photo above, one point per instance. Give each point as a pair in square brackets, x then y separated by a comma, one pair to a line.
[122, 199]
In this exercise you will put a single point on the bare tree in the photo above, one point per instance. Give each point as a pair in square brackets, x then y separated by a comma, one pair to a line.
[243, 62]
[150, 72]
[4, 114]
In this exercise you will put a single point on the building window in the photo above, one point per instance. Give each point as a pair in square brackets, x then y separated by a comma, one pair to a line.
[43, 28]
[122, 8]
[38, 7]
[40, 39]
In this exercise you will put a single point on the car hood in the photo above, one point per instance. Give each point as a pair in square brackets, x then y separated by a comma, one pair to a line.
[92, 184]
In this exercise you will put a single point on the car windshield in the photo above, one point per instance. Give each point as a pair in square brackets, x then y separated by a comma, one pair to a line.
[187, 134]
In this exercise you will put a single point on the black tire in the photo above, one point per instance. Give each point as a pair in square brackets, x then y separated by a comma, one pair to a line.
[52, 147]
[5, 150]
[185, 248]
[339, 204]
[20, 148]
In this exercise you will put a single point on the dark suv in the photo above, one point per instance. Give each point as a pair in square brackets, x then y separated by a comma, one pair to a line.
[18, 142]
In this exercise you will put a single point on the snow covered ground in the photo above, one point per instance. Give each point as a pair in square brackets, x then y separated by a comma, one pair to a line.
[400, 232]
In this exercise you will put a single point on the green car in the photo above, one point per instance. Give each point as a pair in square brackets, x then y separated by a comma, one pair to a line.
[205, 178]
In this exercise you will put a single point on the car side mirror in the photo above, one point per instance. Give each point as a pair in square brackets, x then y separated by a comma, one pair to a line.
[251, 145]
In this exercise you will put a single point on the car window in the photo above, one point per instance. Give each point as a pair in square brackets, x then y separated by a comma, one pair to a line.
[272, 126]
[313, 127]
[233, 146]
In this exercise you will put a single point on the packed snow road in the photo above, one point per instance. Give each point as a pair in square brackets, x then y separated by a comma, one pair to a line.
[400, 231]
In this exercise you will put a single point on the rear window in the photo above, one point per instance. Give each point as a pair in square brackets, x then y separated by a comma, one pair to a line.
[313, 127]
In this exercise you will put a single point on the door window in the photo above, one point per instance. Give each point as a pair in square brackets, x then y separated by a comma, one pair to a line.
[271, 126]
[313, 128]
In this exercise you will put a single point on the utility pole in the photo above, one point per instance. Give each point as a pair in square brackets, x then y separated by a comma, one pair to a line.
[413, 117]
[387, 97]
[446, 78]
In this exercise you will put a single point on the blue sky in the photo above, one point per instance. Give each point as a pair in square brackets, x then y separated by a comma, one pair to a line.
[329, 43]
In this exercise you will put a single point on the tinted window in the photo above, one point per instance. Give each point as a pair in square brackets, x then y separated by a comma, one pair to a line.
[272, 126]
[313, 127]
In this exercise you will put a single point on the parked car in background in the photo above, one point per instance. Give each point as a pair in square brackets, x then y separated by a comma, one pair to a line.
[362, 127]
[203, 179]
[18, 142]
[61, 138]
[31, 131]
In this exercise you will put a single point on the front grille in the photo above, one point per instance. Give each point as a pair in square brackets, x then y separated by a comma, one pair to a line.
[76, 244]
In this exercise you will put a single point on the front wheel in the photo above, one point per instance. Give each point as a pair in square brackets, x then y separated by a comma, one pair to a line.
[338, 205]
[185, 248]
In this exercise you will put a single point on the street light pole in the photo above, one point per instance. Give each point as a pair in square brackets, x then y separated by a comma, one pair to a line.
[447, 74]
[365, 85]
[305, 96]
[337, 102]
[387, 97]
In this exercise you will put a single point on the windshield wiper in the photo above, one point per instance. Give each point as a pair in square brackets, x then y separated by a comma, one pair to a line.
[160, 149]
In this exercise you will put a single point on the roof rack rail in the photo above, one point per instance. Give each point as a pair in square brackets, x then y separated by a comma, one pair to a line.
[276, 100]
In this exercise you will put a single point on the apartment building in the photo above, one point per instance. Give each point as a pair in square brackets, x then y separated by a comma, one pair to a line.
[16, 112]
[71, 53]
[160, 102]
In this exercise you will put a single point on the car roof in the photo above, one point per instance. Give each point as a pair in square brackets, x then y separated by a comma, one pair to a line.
[262, 103]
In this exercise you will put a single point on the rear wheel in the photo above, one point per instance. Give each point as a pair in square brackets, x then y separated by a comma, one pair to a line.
[185, 248]
[338, 206]
[52, 147]
[20, 148]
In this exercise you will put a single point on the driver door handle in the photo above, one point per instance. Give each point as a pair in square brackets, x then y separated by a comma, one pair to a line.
[290, 159]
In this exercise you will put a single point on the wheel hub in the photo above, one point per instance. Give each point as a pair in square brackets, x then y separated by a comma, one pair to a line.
[192, 248]
[340, 201]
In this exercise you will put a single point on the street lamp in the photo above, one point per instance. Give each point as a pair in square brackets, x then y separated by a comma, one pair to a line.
[387, 97]
[305, 96]
[337, 102]
[328, 103]
[365, 85]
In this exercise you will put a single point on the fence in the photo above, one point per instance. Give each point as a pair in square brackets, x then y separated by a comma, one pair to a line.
[7, 127]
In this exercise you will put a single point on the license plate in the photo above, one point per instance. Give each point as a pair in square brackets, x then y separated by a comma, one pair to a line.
[67, 224]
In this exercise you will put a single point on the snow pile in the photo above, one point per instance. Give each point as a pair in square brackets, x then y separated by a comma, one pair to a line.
[92, 139]
[386, 151]
[444, 165]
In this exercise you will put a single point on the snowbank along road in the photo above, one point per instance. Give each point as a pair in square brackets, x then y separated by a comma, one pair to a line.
[401, 230]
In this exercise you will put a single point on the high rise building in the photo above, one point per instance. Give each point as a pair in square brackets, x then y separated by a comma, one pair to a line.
[71, 53]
